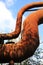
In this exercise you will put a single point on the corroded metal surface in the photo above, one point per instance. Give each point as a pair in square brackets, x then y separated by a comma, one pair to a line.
[17, 30]
[26, 47]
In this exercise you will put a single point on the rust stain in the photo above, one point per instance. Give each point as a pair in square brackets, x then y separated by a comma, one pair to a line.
[26, 47]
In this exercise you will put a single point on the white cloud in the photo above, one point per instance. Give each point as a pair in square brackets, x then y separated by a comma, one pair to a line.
[7, 22]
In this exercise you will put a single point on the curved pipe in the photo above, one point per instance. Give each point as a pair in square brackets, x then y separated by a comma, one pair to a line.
[29, 42]
[15, 33]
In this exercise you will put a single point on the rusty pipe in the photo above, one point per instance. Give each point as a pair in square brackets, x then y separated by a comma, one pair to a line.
[17, 30]
[26, 47]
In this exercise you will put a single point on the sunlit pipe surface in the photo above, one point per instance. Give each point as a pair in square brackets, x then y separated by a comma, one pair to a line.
[17, 30]
[26, 47]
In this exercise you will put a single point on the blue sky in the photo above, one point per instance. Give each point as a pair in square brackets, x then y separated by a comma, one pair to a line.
[8, 14]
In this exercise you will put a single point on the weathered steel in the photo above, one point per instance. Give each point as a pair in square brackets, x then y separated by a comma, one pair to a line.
[17, 30]
[26, 47]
